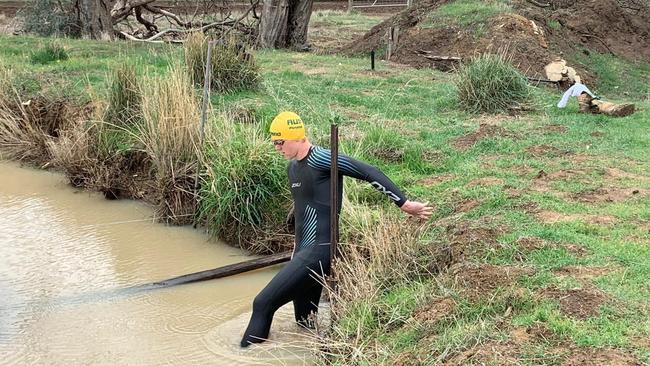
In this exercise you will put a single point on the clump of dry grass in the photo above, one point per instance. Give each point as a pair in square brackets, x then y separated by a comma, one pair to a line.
[22, 135]
[169, 134]
[386, 251]
[75, 152]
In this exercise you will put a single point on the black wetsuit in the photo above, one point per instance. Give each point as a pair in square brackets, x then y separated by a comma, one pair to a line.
[300, 280]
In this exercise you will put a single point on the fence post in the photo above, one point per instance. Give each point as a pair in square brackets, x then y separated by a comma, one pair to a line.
[206, 99]
[350, 5]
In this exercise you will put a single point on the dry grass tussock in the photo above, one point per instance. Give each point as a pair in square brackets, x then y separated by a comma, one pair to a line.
[27, 126]
[387, 251]
[169, 133]
[76, 153]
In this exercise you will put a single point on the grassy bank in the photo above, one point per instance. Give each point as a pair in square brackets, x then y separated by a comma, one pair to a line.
[538, 251]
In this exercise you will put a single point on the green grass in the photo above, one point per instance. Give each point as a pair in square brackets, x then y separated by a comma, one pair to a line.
[465, 13]
[617, 77]
[415, 115]
[52, 52]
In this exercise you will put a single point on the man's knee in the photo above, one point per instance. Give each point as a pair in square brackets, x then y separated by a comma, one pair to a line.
[261, 303]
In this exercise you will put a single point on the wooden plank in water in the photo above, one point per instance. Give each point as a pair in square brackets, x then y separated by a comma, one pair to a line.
[225, 271]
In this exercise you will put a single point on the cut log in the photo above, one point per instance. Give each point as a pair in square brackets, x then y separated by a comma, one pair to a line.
[538, 80]
[225, 271]
[430, 56]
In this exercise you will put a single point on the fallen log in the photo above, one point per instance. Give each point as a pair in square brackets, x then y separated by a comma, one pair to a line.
[430, 56]
[543, 80]
[225, 271]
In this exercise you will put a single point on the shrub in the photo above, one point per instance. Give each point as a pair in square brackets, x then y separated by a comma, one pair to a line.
[233, 66]
[247, 198]
[50, 18]
[52, 52]
[490, 83]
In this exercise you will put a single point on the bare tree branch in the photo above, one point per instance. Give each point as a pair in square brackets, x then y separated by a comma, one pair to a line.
[168, 14]
[124, 7]
[151, 27]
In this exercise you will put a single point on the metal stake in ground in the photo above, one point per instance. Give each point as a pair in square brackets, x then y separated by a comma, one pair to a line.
[206, 98]
[334, 194]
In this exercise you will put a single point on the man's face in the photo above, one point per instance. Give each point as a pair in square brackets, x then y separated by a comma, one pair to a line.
[288, 148]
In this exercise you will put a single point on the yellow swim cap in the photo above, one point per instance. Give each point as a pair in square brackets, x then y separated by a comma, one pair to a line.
[287, 126]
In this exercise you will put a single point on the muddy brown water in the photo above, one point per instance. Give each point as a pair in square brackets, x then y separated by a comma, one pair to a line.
[66, 255]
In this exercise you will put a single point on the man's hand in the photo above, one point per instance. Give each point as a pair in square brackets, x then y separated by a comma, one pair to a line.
[417, 209]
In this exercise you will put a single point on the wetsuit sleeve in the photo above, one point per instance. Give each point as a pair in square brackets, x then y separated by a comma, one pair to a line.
[321, 159]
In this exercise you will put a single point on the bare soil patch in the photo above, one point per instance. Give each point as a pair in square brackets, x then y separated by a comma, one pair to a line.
[389, 154]
[466, 239]
[466, 205]
[546, 150]
[484, 131]
[618, 174]
[577, 303]
[543, 180]
[536, 333]
[435, 311]
[436, 180]
[554, 128]
[531, 243]
[481, 280]
[597, 134]
[600, 195]
[507, 353]
[552, 217]
[583, 274]
[486, 182]
[578, 356]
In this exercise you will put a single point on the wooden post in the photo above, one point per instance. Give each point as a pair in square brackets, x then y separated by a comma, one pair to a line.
[349, 5]
[393, 37]
[372, 60]
[206, 91]
[334, 190]
[206, 98]
[334, 213]
[389, 49]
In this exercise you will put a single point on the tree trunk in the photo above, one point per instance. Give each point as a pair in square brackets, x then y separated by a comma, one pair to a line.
[285, 23]
[299, 15]
[96, 22]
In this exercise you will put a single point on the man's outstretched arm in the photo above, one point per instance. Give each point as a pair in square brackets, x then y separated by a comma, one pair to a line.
[321, 159]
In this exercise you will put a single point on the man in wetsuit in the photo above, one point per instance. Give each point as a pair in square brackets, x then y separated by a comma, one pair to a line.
[300, 280]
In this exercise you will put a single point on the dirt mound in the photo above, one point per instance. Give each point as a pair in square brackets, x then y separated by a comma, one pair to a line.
[577, 303]
[546, 150]
[484, 131]
[482, 280]
[600, 357]
[468, 240]
[491, 353]
[600, 195]
[533, 35]
[435, 311]
[606, 26]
